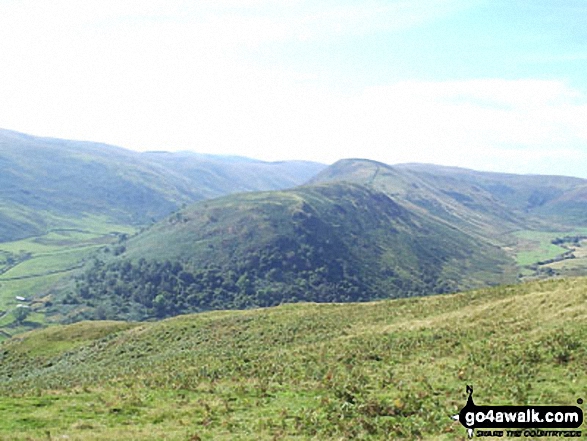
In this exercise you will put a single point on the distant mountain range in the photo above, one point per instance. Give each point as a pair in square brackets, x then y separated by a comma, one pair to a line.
[482, 203]
[232, 232]
[51, 183]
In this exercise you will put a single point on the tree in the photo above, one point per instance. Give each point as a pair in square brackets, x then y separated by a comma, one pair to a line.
[20, 313]
[162, 304]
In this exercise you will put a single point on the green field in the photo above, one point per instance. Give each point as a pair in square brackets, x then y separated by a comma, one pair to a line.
[573, 267]
[536, 246]
[382, 370]
[29, 267]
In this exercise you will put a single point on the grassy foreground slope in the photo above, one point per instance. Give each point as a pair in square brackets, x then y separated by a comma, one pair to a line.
[382, 370]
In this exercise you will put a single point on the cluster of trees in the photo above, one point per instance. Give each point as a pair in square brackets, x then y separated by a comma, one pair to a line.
[9, 260]
[20, 313]
[575, 240]
[143, 289]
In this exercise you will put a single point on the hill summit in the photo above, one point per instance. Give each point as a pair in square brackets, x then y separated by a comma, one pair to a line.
[333, 242]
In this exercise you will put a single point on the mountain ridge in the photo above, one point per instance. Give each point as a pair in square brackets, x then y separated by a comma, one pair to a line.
[62, 180]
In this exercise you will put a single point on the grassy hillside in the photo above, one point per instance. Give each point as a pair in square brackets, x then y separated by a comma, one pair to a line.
[330, 242]
[363, 230]
[383, 370]
[217, 176]
[52, 183]
[440, 197]
[49, 183]
[489, 204]
[558, 200]
[525, 215]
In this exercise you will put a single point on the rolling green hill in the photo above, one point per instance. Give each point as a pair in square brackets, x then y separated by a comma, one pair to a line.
[50, 183]
[326, 243]
[361, 230]
[527, 216]
[216, 176]
[559, 198]
[358, 231]
[393, 369]
[490, 205]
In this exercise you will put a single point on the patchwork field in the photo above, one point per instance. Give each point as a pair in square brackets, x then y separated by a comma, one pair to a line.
[29, 267]
[535, 253]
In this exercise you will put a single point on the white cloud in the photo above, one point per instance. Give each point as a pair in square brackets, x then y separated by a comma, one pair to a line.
[172, 75]
[459, 122]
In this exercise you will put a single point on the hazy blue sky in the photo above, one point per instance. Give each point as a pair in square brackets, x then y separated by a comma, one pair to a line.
[492, 85]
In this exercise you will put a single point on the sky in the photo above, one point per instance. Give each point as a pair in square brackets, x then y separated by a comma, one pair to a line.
[495, 85]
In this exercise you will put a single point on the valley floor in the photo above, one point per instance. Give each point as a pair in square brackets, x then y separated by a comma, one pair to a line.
[30, 267]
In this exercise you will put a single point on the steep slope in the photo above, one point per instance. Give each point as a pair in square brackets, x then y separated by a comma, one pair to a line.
[68, 179]
[467, 207]
[384, 370]
[51, 183]
[330, 242]
[559, 197]
[489, 205]
[567, 207]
